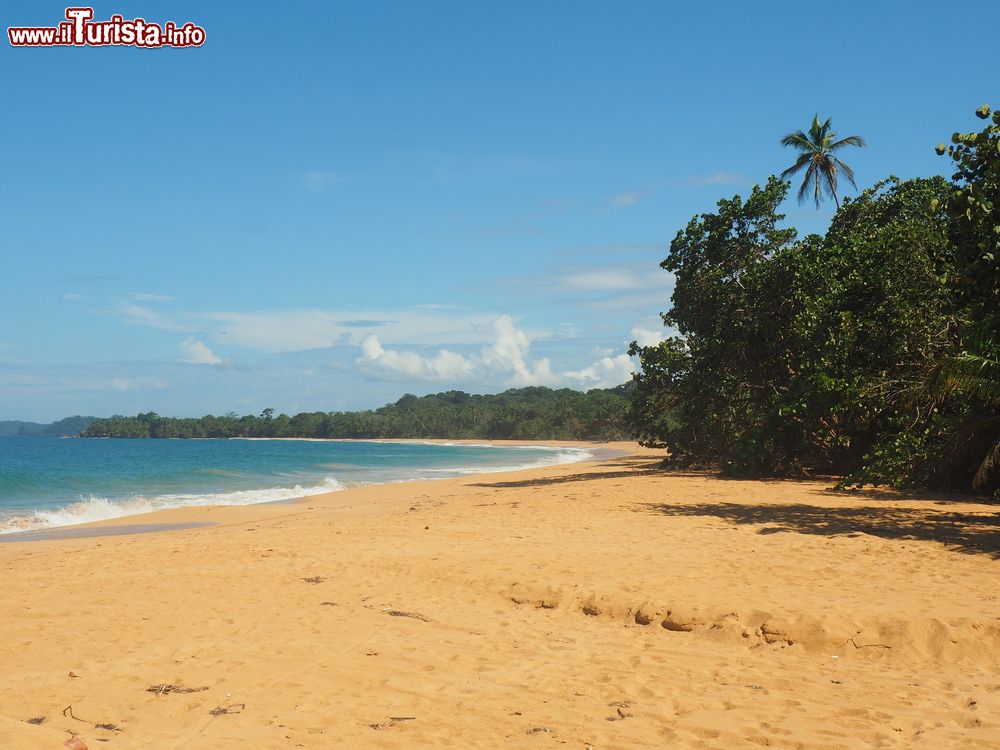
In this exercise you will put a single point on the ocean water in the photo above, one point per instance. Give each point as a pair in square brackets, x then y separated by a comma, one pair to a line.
[47, 482]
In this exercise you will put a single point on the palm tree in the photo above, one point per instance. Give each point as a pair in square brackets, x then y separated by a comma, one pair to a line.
[818, 147]
[974, 372]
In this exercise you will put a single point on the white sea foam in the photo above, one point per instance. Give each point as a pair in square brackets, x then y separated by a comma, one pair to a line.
[90, 509]
[555, 457]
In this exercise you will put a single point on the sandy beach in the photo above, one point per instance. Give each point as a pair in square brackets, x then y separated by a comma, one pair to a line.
[605, 604]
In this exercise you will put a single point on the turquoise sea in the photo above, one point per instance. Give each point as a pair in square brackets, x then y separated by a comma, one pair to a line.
[47, 482]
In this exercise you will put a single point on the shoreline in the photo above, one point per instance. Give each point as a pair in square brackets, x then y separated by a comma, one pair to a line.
[605, 603]
[147, 521]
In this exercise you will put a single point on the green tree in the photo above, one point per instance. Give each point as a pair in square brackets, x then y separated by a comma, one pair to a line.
[524, 413]
[974, 374]
[791, 355]
[817, 149]
[974, 209]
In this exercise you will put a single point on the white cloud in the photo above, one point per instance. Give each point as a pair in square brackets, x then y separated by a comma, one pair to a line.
[149, 297]
[606, 372]
[646, 336]
[633, 303]
[503, 360]
[297, 330]
[606, 280]
[196, 353]
[509, 352]
[73, 297]
[506, 360]
[445, 365]
[717, 178]
[601, 351]
[623, 200]
[136, 384]
[278, 331]
[145, 316]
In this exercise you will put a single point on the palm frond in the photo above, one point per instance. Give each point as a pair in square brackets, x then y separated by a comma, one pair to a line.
[799, 163]
[815, 129]
[798, 139]
[990, 463]
[829, 170]
[825, 135]
[806, 179]
[851, 140]
[971, 373]
[848, 172]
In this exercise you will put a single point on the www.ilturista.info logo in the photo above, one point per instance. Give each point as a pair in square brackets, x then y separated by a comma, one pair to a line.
[80, 30]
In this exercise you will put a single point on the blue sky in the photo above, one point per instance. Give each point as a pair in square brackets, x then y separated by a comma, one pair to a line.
[327, 207]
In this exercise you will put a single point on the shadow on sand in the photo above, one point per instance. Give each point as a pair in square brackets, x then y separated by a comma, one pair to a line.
[619, 468]
[970, 533]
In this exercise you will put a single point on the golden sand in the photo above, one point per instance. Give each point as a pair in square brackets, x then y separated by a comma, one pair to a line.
[603, 605]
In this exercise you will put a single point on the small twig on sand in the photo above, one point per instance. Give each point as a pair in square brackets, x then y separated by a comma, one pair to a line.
[863, 645]
[236, 708]
[314, 579]
[168, 688]
[392, 721]
[401, 613]
[68, 712]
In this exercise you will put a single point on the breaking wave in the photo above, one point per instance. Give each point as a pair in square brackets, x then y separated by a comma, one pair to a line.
[90, 509]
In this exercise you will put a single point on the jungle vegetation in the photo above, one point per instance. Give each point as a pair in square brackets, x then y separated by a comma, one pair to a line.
[518, 414]
[871, 352]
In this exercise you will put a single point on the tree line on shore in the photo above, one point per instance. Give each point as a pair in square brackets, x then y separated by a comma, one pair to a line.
[518, 414]
[870, 352]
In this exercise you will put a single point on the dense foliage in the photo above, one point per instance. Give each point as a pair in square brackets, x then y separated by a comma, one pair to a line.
[521, 414]
[64, 427]
[869, 352]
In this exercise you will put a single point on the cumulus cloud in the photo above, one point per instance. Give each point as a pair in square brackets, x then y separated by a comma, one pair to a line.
[196, 353]
[604, 373]
[445, 365]
[646, 336]
[509, 353]
[504, 359]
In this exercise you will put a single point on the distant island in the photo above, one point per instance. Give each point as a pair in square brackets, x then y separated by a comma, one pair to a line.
[62, 428]
[534, 413]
